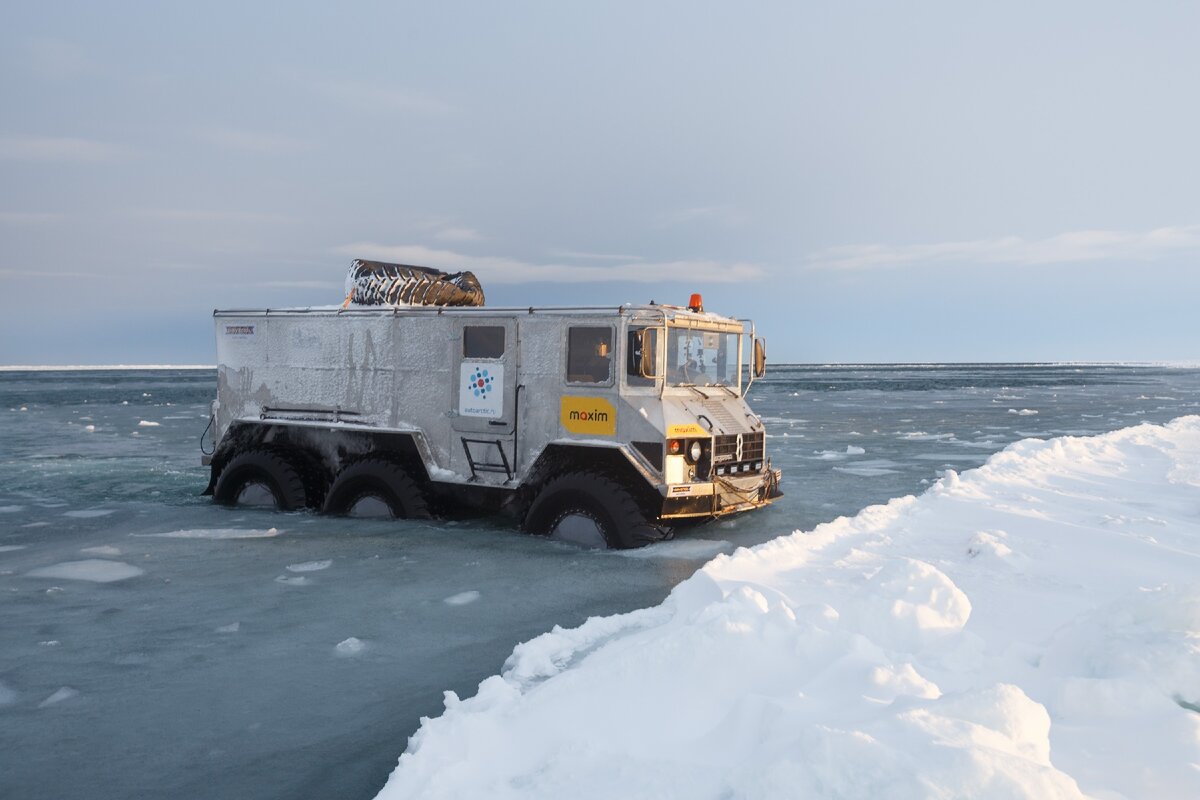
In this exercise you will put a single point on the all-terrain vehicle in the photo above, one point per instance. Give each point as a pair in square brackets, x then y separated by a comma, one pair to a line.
[614, 422]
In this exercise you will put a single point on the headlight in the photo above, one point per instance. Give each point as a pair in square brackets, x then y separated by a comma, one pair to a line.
[695, 451]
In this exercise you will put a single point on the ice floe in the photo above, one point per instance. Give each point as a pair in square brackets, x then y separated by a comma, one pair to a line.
[678, 548]
[88, 513]
[96, 570]
[349, 647]
[310, 566]
[145, 423]
[997, 637]
[216, 533]
[462, 598]
[101, 550]
[65, 693]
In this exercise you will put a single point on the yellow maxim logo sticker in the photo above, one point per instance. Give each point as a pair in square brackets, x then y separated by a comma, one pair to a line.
[692, 429]
[594, 416]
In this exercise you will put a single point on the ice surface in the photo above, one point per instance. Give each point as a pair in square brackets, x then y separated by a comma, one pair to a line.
[310, 566]
[95, 570]
[871, 468]
[462, 598]
[217, 533]
[995, 637]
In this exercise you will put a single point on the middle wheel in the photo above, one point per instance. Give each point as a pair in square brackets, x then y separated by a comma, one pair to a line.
[592, 509]
[376, 487]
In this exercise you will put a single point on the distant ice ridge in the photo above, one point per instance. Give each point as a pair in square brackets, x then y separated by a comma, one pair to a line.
[1027, 629]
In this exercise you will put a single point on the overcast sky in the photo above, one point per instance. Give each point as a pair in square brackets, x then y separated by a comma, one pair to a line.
[870, 182]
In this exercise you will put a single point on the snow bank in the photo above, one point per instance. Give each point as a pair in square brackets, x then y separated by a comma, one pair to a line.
[1029, 629]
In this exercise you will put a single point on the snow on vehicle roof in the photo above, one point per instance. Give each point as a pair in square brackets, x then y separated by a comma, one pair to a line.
[936, 646]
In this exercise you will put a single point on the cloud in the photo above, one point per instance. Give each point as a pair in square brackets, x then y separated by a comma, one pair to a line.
[50, 148]
[58, 59]
[300, 284]
[374, 98]
[27, 218]
[254, 141]
[43, 273]
[206, 215]
[1071, 247]
[458, 235]
[577, 255]
[498, 269]
[720, 214]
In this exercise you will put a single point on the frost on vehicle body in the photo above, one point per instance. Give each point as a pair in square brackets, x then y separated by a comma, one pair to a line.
[624, 420]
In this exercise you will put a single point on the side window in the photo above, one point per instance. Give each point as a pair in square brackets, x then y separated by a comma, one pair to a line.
[483, 341]
[589, 355]
[641, 356]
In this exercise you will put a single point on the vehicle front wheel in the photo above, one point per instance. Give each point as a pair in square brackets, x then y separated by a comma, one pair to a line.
[591, 509]
[376, 487]
[260, 478]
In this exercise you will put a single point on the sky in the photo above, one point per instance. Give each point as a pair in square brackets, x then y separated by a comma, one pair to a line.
[870, 182]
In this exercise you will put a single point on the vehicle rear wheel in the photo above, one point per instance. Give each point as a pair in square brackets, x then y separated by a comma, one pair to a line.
[260, 478]
[376, 487]
[591, 509]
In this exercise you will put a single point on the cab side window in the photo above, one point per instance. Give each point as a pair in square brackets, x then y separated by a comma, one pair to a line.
[642, 342]
[589, 355]
[483, 341]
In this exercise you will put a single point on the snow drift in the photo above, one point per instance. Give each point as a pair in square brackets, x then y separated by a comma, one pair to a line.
[1030, 628]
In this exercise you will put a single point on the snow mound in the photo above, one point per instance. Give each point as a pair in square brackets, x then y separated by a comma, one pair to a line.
[996, 637]
[96, 570]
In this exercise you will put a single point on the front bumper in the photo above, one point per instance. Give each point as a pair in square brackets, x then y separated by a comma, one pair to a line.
[724, 495]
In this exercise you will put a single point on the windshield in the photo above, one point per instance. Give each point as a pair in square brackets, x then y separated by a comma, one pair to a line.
[702, 358]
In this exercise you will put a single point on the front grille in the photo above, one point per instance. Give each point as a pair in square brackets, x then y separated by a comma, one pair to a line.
[726, 460]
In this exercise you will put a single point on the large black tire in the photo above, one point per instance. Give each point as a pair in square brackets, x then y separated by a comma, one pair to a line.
[622, 521]
[265, 468]
[383, 480]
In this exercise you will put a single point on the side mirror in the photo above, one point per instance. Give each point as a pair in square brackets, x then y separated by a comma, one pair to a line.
[647, 347]
[760, 357]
